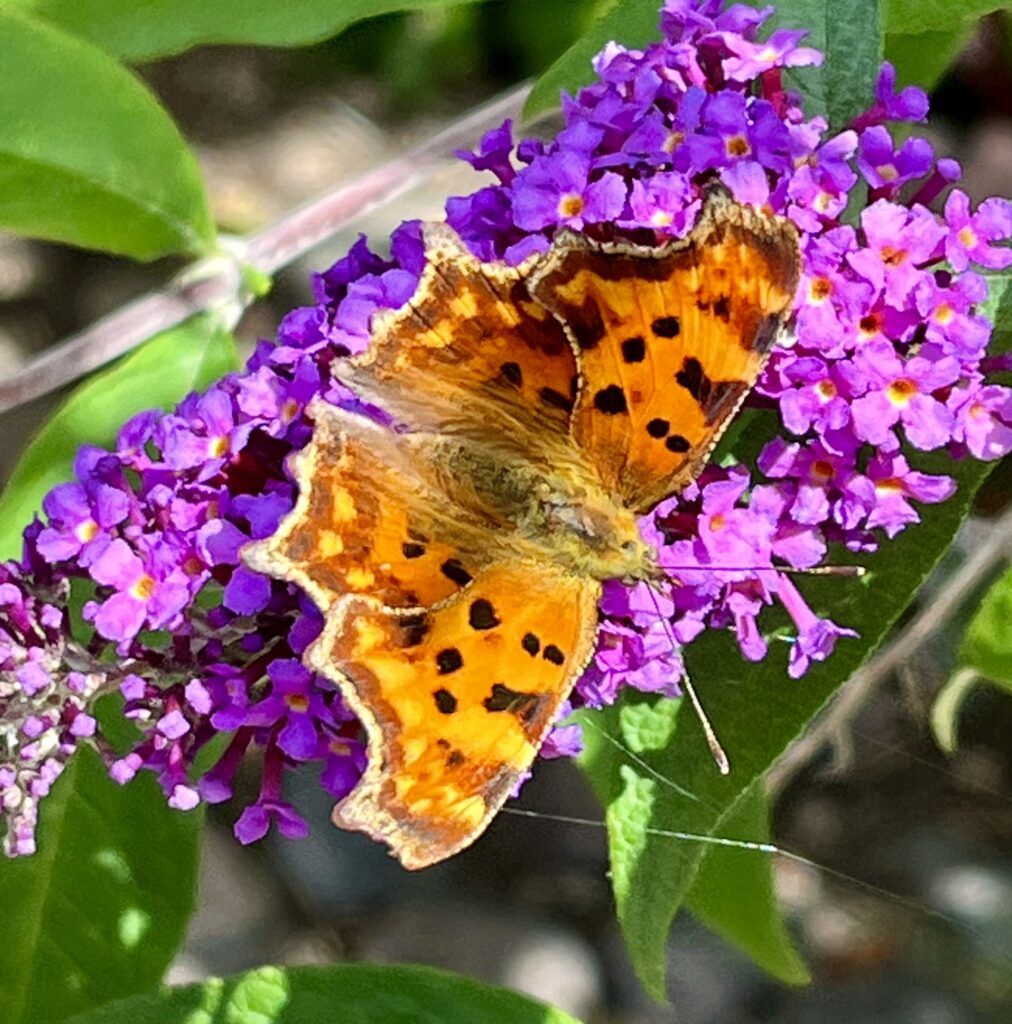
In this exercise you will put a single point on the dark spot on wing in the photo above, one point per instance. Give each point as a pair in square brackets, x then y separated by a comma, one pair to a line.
[449, 660]
[455, 759]
[556, 399]
[658, 428]
[586, 325]
[412, 550]
[512, 373]
[693, 379]
[455, 572]
[554, 655]
[531, 644]
[611, 400]
[482, 615]
[414, 629]
[634, 350]
[716, 398]
[666, 327]
[446, 703]
[677, 443]
[516, 702]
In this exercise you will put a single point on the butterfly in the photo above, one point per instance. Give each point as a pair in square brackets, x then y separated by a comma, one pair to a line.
[458, 555]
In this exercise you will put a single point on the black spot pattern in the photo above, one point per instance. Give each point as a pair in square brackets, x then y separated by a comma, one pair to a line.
[658, 428]
[694, 380]
[531, 644]
[414, 629]
[677, 443]
[455, 572]
[556, 399]
[554, 655]
[634, 350]
[446, 703]
[611, 400]
[666, 327]
[512, 373]
[449, 660]
[722, 308]
[455, 759]
[516, 702]
[482, 615]
[412, 550]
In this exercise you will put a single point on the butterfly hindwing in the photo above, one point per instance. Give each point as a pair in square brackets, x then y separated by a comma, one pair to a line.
[456, 699]
[670, 339]
[364, 520]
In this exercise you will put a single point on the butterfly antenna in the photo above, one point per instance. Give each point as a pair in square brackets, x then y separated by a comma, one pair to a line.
[719, 754]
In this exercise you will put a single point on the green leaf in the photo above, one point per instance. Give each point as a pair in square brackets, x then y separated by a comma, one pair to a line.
[757, 711]
[912, 16]
[349, 993]
[137, 32]
[923, 58]
[923, 37]
[733, 892]
[87, 154]
[99, 911]
[850, 36]
[157, 375]
[630, 22]
[947, 705]
[987, 643]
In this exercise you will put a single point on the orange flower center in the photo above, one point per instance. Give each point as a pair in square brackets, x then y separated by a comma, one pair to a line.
[217, 447]
[143, 588]
[870, 324]
[820, 289]
[968, 237]
[889, 485]
[944, 314]
[571, 205]
[86, 530]
[893, 257]
[887, 172]
[901, 391]
[718, 522]
[297, 701]
[822, 469]
[825, 389]
[737, 145]
[673, 141]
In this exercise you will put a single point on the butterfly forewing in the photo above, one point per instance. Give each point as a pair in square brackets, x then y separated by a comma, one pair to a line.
[365, 521]
[670, 340]
[470, 343]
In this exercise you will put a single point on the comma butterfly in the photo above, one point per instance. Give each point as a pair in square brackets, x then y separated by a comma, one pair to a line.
[458, 558]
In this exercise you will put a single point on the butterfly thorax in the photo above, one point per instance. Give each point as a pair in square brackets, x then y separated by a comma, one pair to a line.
[552, 508]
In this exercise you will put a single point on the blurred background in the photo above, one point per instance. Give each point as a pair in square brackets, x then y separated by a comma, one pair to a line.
[529, 906]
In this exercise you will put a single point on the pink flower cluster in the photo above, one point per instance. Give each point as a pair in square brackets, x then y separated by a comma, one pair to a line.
[886, 360]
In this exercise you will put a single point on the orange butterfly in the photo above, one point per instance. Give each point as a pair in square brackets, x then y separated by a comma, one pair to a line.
[458, 560]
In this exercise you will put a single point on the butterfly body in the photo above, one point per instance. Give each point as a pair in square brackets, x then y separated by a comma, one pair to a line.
[458, 558]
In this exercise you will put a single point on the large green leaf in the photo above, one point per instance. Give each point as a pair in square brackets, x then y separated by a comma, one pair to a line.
[733, 891]
[987, 645]
[923, 37]
[757, 711]
[99, 911]
[87, 154]
[157, 375]
[139, 32]
[850, 37]
[349, 994]
[630, 22]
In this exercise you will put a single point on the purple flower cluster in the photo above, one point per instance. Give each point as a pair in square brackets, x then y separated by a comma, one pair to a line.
[888, 348]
